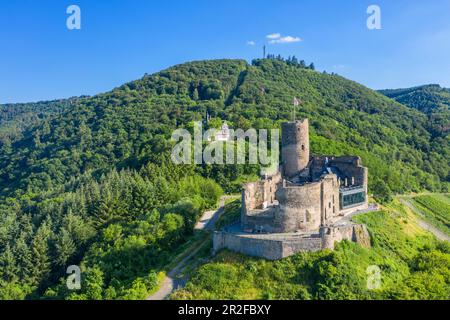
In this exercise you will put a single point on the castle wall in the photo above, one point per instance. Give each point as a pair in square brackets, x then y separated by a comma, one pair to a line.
[264, 248]
[262, 220]
[252, 196]
[352, 232]
[300, 207]
[363, 206]
[257, 199]
[260, 194]
[351, 167]
[294, 147]
[275, 249]
[357, 173]
[304, 245]
[316, 167]
[330, 198]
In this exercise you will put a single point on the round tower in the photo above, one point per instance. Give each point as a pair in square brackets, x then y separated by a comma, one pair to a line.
[294, 147]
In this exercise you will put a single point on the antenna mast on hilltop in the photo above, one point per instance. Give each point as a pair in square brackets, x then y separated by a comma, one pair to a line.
[264, 52]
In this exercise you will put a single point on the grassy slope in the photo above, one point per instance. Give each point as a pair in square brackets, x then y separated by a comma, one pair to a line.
[436, 208]
[414, 265]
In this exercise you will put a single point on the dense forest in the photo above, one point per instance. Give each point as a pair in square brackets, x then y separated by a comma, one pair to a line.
[89, 181]
[431, 99]
[16, 118]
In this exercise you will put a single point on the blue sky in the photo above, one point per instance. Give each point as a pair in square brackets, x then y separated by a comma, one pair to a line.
[121, 40]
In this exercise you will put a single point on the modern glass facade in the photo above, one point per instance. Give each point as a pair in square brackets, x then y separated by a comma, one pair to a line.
[352, 197]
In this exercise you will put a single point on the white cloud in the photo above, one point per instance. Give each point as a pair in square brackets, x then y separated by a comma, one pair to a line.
[273, 36]
[251, 43]
[287, 39]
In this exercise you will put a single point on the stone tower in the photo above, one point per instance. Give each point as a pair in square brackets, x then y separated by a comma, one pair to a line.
[294, 147]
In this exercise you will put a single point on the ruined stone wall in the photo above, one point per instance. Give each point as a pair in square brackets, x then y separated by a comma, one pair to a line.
[256, 197]
[294, 147]
[330, 198]
[316, 167]
[352, 232]
[300, 207]
[271, 185]
[351, 167]
[260, 220]
[252, 196]
[260, 194]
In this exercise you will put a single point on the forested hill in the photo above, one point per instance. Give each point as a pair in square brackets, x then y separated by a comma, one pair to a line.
[94, 182]
[128, 126]
[433, 100]
[15, 118]
[424, 98]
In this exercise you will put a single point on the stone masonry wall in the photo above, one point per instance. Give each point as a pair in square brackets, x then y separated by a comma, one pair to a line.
[257, 194]
[294, 146]
[352, 232]
[300, 208]
[268, 249]
[305, 245]
[263, 221]
[278, 249]
[330, 198]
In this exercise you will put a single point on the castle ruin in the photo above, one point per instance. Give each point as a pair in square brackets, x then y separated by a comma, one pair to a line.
[306, 206]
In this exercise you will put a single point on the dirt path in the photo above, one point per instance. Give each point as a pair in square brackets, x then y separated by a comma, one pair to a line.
[209, 218]
[424, 224]
[174, 279]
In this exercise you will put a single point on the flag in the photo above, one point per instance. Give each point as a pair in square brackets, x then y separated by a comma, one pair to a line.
[297, 102]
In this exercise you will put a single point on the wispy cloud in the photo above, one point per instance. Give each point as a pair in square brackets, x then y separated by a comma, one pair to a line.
[251, 43]
[277, 38]
[273, 36]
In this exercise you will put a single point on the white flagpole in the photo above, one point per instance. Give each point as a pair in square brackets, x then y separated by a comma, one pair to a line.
[296, 103]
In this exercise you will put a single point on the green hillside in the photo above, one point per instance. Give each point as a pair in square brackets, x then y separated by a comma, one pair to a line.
[94, 183]
[431, 99]
[16, 118]
[412, 264]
